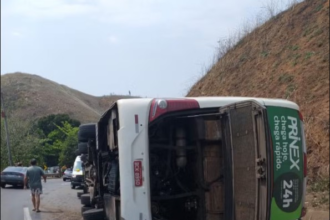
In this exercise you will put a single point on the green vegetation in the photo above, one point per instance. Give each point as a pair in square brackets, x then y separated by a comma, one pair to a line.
[52, 140]
[24, 141]
[264, 53]
[316, 33]
[308, 31]
[318, 8]
[289, 90]
[309, 55]
[51, 122]
[294, 47]
[295, 59]
[285, 78]
[320, 185]
[276, 64]
[65, 143]
[243, 58]
[55, 130]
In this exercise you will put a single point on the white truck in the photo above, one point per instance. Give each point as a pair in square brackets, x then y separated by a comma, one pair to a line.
[202, 158]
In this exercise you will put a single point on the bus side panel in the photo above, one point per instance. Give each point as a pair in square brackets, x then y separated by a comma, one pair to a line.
[133, 146]
[288, 164]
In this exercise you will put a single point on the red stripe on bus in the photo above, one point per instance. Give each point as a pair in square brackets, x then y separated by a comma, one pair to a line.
[136, 119]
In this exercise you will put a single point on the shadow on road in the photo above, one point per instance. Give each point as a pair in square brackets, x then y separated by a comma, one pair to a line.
[50, 211]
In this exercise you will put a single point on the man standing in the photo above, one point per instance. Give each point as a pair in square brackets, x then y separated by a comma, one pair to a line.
[33, 176]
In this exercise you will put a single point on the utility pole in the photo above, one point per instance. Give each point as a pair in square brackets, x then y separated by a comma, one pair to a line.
[3, 115]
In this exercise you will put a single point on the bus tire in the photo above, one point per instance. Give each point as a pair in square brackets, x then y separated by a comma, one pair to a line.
[86, 132]
[85, 199]
[93, 214]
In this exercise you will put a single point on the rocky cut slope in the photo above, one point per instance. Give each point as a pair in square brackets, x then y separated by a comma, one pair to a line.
[286, 57]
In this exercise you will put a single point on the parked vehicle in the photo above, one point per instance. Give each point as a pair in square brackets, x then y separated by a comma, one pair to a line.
[52, 170]
[67, 174]
[196, 158]
[13, 176]
[77, 173]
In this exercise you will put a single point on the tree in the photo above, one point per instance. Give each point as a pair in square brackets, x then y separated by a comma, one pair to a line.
[53, 129]
[49, 123]
[68, 155]
[49, 142]
[68, 145]
[25, 142]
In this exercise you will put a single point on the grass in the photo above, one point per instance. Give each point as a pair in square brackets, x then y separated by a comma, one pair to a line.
[295, 59]
[318, 8]
[320, 185]
[319, 189]
[289, 90]
[285, 78]
[308, 31]
[294, 47]
[320, 200]
[243, 58]
[276, 64]
[294, 63]
[316, 33]
[324, 199]
[309, 55]
[264, 53]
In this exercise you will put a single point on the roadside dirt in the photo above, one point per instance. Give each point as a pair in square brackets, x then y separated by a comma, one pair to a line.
[317, 204]
[55, 214]
[60, 202]
[316, 215]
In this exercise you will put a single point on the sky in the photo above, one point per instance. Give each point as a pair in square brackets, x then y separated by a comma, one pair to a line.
[152, 48]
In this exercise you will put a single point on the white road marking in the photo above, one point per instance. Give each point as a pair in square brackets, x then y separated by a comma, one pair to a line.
[27, 215]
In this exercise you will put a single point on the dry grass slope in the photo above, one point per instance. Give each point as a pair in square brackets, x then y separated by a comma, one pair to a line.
[30, 96]
[287, 57]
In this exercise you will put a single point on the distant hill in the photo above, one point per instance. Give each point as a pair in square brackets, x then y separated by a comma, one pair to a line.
[30, 97]
[286, 57]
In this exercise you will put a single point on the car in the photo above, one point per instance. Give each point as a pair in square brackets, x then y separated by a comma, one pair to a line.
[67, 174]
[13, 176]
[77, 178]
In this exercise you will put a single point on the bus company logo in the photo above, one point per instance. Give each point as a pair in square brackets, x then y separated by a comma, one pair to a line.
[294, 140]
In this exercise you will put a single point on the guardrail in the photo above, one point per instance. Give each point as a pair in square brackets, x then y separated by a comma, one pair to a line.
[53, 175]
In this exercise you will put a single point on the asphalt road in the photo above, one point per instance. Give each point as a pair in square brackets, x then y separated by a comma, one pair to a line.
[58, 201]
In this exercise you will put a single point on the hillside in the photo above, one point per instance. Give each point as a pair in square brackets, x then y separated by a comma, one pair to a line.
[30, 96]
[286, 57]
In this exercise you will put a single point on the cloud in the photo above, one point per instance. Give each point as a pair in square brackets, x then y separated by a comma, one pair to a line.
[127, 12]
[194, 15]
[134, 13]
[16, 34]
[113, 39]
[40, 9]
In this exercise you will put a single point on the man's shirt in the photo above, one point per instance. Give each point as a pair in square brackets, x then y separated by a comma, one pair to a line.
[34, 174]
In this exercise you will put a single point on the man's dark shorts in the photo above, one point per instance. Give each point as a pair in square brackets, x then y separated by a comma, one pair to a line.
[36, 190]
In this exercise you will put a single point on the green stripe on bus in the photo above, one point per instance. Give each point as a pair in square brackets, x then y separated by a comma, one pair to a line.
[287, 163]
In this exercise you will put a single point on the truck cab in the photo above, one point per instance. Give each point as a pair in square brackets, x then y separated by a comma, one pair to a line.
[200, 158]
